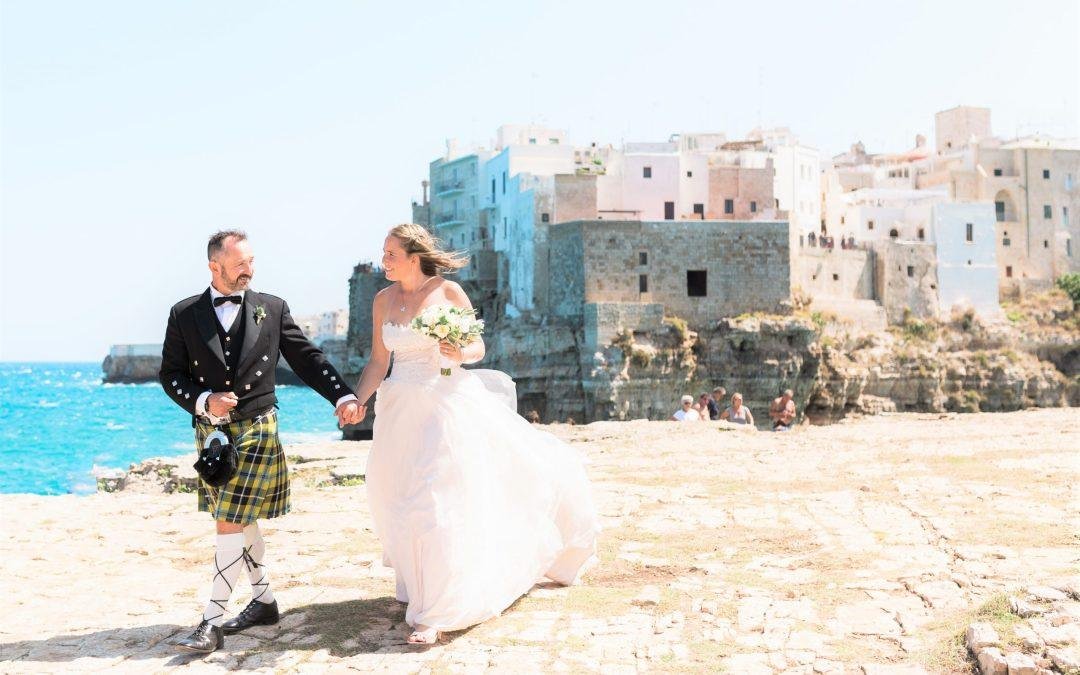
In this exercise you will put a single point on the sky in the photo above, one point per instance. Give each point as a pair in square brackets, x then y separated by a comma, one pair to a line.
[129, 131]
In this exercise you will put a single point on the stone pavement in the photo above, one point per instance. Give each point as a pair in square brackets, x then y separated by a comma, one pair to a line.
[864, 547]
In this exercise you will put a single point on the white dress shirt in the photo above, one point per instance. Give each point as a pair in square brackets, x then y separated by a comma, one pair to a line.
[226, 313]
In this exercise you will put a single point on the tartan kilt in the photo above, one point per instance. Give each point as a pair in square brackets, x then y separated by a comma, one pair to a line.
[260, 488]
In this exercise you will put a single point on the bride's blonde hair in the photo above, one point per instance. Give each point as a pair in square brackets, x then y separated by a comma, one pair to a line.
[415, 239]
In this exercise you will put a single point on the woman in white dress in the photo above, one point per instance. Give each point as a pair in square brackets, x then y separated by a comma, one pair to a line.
[473, 505]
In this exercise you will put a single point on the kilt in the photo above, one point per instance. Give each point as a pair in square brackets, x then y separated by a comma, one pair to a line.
[260, 488]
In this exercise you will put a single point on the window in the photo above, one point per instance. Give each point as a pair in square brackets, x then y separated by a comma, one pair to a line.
[997, 172]
[1068, 181]
[753, 207]
[869, 224]
[729, 206]
[894, 234]
[843, 218]
[911, 271]
[969, 234]
[699, 209]
[504, 183]
[647, 172]
[1006, 242]
[643, 257]
[922, 234]
[1046, 174]
[545, 217]
[553, 141]
[532, 141]
[1048, 211]
[689, 174]
[1046, 243]
[492, 190]
[1068, 247]
[504, 227]
[1065, 215]
[835, 277]
[669, 210]
[643, 283]
[696, 283]
[1008, 271]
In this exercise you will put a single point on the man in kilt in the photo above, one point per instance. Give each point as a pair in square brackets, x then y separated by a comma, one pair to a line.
[217, 363]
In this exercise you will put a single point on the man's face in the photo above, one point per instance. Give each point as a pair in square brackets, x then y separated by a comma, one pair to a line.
[234, 266]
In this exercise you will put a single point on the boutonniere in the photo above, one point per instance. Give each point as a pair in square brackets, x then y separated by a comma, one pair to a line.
[260, 314]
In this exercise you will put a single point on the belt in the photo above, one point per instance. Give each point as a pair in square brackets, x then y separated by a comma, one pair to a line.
[235, 417]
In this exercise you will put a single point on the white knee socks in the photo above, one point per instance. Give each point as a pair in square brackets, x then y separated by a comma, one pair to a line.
[254, 550]
[228, 561]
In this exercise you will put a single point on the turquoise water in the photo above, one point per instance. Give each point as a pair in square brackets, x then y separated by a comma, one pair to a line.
[58, 421]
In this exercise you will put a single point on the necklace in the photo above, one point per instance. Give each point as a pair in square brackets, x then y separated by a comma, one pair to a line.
[401, 292]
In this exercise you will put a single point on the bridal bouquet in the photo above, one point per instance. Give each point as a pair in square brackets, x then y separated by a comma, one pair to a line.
[455, 325]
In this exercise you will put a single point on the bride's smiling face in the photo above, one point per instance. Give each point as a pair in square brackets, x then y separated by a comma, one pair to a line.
[397, 263]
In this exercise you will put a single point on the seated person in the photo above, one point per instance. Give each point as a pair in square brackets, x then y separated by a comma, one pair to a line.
[686, 412]
[782, 412]
[737, 412]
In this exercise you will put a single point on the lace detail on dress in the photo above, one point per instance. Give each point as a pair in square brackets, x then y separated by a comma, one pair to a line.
[416, 357]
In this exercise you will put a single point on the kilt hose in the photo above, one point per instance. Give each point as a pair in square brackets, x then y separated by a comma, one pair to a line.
[260, 488]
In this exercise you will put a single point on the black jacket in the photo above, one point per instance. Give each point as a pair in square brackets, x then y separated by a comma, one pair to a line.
[192, 359]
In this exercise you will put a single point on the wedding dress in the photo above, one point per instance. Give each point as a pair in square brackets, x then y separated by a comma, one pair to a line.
[472, 503]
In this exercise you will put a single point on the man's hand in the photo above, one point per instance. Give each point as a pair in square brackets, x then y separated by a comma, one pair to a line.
[221, 403]
[350, 412]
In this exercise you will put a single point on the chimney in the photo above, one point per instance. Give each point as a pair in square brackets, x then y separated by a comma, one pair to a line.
[424, 185]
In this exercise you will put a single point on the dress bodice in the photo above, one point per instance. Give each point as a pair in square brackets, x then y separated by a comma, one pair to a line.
[416, 357]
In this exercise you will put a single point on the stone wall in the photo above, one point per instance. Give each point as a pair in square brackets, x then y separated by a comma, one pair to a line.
[906, 280]
[746, 186]
[836, 273]
[746, 266]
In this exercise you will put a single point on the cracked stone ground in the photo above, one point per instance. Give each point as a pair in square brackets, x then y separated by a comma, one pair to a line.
[866, 546]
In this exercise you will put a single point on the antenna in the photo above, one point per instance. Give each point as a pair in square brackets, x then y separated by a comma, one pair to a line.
[760, 79]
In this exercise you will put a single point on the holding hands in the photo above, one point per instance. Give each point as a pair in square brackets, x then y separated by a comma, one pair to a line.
[350, 412]
[221, 403]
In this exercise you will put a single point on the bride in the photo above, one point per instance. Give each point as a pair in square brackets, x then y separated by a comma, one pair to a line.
[473, 505]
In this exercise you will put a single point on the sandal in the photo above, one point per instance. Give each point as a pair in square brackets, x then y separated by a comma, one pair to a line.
[423, 636]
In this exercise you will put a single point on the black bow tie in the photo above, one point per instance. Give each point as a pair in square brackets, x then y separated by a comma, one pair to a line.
[218, 302]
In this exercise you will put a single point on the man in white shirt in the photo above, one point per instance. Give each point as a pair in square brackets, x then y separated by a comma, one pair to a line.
[686, 412]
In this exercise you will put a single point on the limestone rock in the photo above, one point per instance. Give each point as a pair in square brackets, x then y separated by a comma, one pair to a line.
[1045, 593]
[1065, 660]
[981, 635]
[1021, 664]
[992, 662]
[648, 597]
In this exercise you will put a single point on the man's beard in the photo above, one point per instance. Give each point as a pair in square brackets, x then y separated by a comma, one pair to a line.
[240, 283]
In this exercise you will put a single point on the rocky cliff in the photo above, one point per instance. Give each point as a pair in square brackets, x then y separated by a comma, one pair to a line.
[1030, 360]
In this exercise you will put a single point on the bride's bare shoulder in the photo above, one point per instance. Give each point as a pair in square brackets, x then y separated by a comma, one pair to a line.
[381, 298]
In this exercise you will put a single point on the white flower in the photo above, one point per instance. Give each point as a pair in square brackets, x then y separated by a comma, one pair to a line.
[442, 330]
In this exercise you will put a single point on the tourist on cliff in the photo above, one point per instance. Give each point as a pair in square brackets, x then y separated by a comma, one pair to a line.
[217, 364]
[782, 411]
[718, 394]
[473, 504]
[737, 412]
[686, 412]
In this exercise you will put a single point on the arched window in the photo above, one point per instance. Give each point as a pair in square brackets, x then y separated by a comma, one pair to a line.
[1004, 209]
[893, 234]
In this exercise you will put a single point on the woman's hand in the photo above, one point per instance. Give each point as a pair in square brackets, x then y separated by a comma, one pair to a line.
[451, 351]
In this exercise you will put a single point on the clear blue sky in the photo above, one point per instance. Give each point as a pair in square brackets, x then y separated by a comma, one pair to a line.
[131, 130]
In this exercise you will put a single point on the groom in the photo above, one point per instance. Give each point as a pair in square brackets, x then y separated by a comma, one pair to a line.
[221, 348]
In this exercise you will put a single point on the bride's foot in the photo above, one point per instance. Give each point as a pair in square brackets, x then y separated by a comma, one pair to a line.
[423, 636]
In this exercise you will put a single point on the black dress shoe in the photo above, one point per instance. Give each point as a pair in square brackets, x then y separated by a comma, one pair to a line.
[255, 614]
[205, 639]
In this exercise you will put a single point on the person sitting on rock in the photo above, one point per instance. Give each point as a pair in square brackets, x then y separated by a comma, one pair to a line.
[737, 412]
[686, 412]
[782, 412]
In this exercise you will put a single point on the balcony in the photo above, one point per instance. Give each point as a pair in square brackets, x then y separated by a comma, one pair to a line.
[447, 187]
[447, 219]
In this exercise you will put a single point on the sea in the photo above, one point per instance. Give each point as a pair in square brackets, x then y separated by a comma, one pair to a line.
[59, 421]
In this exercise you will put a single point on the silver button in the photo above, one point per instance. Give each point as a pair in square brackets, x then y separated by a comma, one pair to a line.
[174, 383]
[202, 379]
[266, 358]
[228, 339]
[226, 353]
[227, 383]
[179, 391]
[258, 373]
[228, 367]
[247, 386]
[196, 363]
[333, 379]
[187, 395]
[337, 386]
[326, 372]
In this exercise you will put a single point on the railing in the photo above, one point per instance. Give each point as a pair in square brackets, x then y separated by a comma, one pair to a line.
[449, 186]
[445, 218]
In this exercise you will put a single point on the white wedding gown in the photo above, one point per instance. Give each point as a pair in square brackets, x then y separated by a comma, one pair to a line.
[473, 504]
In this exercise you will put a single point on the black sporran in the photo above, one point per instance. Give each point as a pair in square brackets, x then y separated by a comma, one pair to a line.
[217, 459]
